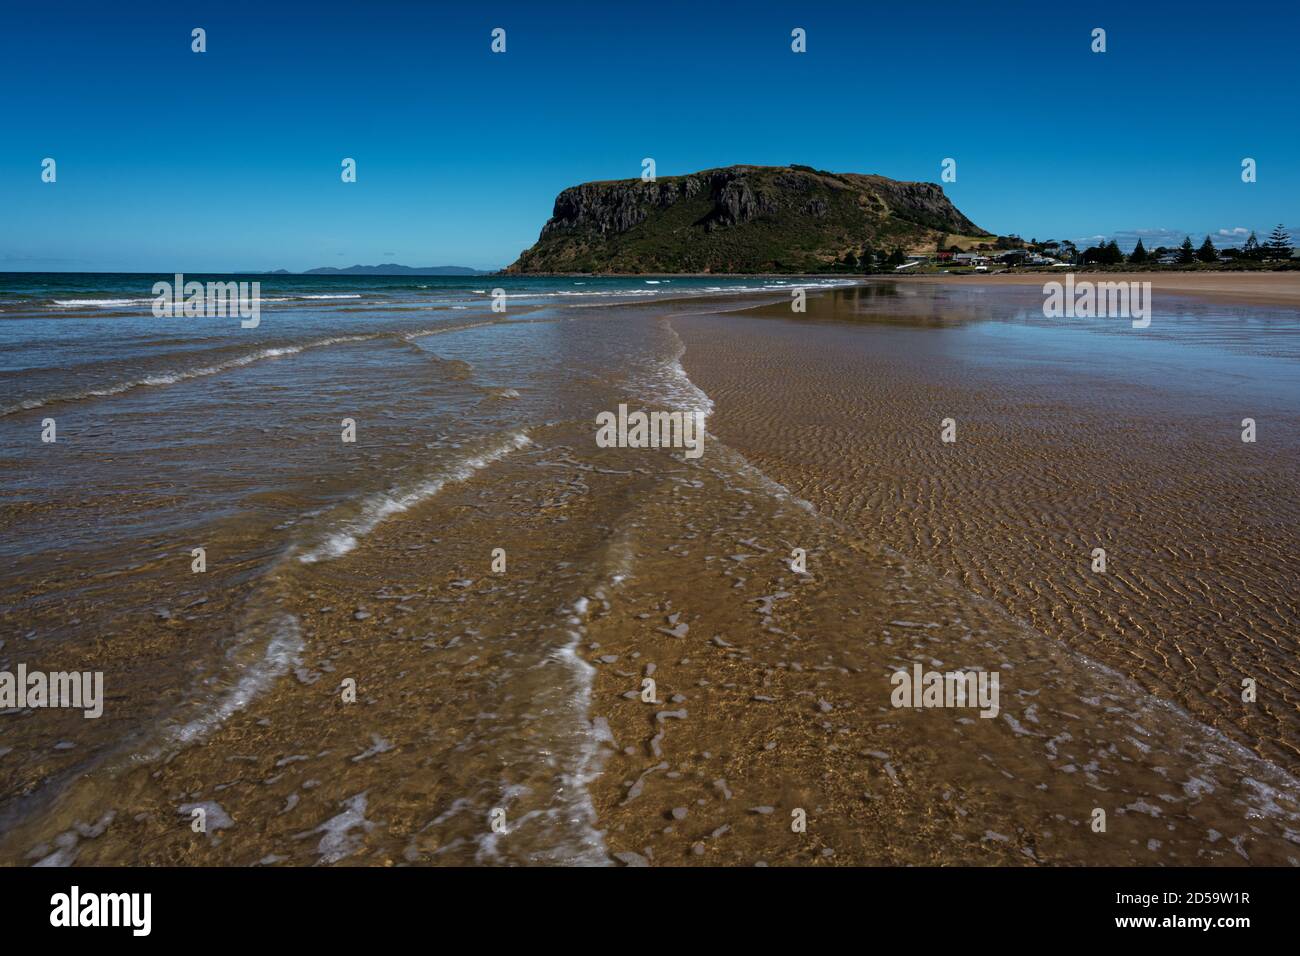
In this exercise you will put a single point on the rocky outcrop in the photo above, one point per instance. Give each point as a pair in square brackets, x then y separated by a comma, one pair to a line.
[738, 219]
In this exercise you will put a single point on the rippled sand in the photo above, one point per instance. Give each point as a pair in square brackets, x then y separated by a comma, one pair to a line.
[1059, 451]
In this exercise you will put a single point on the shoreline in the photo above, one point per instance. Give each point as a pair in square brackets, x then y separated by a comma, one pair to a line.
[1247, 288]
[1278, 287]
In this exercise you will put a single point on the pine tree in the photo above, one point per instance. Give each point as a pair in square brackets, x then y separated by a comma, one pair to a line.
[1251, 249]
[896, 258]
[1111, 254]
[1139, 253]
[1207, 252]
[1186, 252]
[867, 259]
[1279, 243]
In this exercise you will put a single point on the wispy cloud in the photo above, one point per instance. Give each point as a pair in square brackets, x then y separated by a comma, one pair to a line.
[1128, 238]
[25, 257]
[1227, 237]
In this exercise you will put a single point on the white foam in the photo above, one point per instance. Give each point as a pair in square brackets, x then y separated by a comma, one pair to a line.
[281, 653]
[339, 841]
[96, 303]
[667, 382]
[409, 336]
[379, 507]
[590, 847]
[180, 375]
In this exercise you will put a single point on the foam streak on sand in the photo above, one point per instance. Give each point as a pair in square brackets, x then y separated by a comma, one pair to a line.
[587, 844]
[281, 652]
[180, 375]
[379, 507]
[665, 382]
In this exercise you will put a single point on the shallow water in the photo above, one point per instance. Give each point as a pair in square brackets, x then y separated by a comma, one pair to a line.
[176, 434]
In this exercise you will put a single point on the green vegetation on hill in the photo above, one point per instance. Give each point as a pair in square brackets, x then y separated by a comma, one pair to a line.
[741, 219]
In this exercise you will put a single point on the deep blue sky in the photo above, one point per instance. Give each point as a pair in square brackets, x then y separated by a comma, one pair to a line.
[228, 160]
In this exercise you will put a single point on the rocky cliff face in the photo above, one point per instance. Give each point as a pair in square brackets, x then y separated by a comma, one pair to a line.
[738, 219]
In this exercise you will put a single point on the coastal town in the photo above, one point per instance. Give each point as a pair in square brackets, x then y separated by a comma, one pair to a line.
[1277, 251]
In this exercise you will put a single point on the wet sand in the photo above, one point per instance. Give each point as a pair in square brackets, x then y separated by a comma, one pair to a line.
[1060, 450]
[1260, 288]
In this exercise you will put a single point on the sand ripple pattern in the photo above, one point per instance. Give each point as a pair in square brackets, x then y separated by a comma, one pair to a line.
[1202, 532]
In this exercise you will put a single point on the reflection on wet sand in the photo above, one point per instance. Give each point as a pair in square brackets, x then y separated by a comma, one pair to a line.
[1069, 441]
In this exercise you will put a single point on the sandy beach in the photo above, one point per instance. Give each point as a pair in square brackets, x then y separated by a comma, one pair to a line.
[693, 661]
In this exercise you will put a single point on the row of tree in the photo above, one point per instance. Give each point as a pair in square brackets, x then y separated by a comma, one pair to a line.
[1278, 246]
[870, 258]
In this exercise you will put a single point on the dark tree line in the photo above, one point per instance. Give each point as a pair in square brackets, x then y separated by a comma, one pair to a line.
[1278, 246]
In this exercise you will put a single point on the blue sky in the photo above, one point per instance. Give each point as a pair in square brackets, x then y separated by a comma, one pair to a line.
[227, 160]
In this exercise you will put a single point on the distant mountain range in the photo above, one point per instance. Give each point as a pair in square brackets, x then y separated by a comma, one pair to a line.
[740, 219]
[389, 269]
